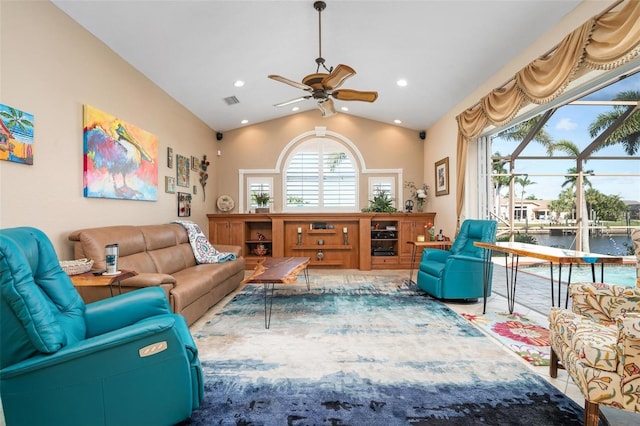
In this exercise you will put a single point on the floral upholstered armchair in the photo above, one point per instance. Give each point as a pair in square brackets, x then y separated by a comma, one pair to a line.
[598, 343]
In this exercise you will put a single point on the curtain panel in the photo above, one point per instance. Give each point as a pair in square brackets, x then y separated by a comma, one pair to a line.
[604, 42]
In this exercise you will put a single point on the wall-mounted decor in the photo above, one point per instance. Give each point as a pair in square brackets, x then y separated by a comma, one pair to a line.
[120, 159]
[170, 158]
[182, 170]
[442, 177]
[169, 184]
[204, 164]
[195, 164]
[16, 135]
[184, 204]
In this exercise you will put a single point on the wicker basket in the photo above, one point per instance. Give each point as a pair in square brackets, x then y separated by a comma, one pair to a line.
[75, 267]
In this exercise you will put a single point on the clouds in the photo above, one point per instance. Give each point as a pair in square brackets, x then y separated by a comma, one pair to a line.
[566, 124]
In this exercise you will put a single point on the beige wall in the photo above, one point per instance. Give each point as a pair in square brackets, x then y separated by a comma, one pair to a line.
[50, 67]
[259, 146]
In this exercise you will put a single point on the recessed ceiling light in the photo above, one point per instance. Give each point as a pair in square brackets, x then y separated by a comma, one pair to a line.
[402, 82]
[397, 121]
[295, 108]
[245, 121]
[344, 109]
[238, 83]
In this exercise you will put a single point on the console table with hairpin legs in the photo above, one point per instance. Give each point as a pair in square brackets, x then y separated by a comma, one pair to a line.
[277, 270]
[551, 254]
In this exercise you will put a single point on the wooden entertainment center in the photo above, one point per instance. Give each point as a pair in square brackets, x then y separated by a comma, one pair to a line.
[362, 241]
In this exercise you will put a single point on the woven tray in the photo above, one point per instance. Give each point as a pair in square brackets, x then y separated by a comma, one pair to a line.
[75, 267]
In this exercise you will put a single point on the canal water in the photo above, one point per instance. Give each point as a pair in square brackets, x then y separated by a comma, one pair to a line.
[612, 244]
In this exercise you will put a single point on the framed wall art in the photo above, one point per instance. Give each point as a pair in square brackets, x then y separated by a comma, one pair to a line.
[195, 164]
[442, 177]
[170, 158]
[182, 170]
[169, 185]
[120, 159]
[184, 204]
[16, 135]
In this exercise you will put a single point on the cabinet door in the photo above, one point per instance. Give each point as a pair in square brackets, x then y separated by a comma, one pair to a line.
[408, 232]
[220, 233]
[228, 233]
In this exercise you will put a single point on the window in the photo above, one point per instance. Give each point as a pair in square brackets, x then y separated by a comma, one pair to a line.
[380, 184]
[320, 174]
[258, 185]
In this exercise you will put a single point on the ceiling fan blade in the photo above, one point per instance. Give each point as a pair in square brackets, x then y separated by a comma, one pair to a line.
[327, 108]
[338, 76]
[292, 101]
[354, 95]
[290, 82]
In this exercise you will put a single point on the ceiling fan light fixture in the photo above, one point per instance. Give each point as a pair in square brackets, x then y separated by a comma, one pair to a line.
[323, 86]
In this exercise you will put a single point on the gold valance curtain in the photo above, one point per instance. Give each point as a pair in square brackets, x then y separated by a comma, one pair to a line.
[604, 42]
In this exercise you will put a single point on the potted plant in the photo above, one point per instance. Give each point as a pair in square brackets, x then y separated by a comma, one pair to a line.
[381, 203]
[262, 199]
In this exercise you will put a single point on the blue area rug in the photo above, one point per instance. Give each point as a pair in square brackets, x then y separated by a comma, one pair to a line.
[363, 354]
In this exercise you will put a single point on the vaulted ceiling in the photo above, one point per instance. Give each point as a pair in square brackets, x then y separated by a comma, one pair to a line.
[196, 50]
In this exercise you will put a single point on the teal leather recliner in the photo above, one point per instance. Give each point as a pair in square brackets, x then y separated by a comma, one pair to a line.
[127, 360]
[458, 273]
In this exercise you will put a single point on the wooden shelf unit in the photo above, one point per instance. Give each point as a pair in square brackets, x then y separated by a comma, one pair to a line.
[280, 231]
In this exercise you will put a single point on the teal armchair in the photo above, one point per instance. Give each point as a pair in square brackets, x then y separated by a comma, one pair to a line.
[126, 360]
[458, 273]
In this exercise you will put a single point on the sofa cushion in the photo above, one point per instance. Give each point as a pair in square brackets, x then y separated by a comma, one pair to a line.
[90, 243]
[168, 260]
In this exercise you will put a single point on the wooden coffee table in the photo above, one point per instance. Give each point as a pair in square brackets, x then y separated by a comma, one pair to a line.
[277, 270]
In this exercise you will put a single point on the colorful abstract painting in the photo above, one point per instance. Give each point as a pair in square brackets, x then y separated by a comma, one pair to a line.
[120, 159]
[16, 135]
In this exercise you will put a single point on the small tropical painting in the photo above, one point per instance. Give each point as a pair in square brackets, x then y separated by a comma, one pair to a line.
[120, 159]
[16, 135]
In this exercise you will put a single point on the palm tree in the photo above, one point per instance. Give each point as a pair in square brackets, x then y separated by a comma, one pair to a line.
[572, 180]
[628, 134]
[16, 121]
[521, 130]
[523, 182]
[500, 180]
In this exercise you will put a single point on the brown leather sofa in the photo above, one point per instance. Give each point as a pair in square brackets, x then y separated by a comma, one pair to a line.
[162, 256]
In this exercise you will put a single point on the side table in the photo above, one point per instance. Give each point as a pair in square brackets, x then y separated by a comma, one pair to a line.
[422, 244]
[88, 279]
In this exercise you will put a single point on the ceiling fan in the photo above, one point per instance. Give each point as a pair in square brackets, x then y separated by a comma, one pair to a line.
[325, 86]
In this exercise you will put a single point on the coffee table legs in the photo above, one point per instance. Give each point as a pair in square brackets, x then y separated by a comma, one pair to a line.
[267, 318]
[268, 304]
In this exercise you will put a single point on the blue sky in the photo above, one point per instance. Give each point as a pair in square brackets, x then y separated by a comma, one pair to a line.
[571, 123]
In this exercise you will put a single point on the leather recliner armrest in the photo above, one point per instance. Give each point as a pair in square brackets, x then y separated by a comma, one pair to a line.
[148, 279]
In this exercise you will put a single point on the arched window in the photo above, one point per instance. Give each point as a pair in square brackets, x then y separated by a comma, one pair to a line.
[320, 175]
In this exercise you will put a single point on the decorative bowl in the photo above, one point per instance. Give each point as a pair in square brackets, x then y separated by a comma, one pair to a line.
[260, 251]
